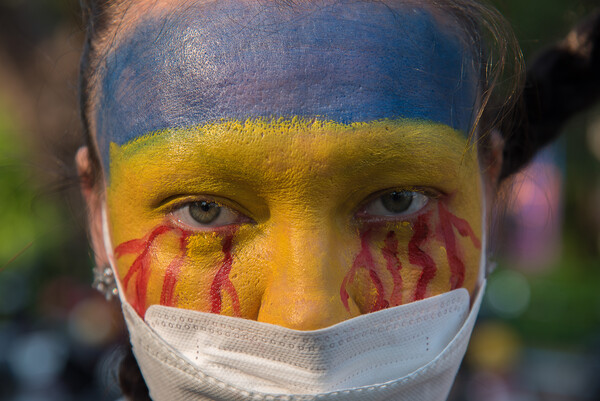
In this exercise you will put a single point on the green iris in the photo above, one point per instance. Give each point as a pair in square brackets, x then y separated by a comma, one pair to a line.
[397, 202]
[204, 212]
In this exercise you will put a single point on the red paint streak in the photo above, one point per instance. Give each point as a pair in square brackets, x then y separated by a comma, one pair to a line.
[141, 264]
[364, 260]
[390, 253]
[448, 222]
[221, 280]
[172, 273]
[416, 256]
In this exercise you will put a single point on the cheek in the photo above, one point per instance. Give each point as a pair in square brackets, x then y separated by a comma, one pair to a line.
[436, 253]
[226, 271]
[171, 267]
[137, 261]
[205, 283]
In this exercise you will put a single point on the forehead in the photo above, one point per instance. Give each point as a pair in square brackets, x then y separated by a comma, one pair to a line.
[344, 61]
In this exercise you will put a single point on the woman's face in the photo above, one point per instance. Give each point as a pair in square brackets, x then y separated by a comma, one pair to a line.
[294, 166]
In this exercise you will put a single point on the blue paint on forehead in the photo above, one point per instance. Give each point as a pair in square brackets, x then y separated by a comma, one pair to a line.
[346, 61]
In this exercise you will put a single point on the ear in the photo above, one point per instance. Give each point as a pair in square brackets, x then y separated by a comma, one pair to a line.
[491, 158]
[93, 194]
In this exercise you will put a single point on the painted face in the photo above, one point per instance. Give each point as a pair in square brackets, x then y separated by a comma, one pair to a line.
[297, 167]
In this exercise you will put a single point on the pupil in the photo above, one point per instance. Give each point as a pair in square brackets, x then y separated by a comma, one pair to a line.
[204, 212]
[397, 202]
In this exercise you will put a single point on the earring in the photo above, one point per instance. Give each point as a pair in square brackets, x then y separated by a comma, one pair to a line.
[104, 281]
[490, 266]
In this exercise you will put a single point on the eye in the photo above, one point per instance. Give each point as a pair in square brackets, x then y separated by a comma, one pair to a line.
[396, 203]
[206, 214]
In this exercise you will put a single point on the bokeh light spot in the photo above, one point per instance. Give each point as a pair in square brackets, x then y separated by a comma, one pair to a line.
[38, 358]
[508, 293]
[91, 322]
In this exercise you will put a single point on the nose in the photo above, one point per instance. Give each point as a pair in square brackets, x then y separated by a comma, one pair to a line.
[307, 267]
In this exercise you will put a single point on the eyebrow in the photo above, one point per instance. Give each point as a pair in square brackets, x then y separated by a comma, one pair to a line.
[362, 63]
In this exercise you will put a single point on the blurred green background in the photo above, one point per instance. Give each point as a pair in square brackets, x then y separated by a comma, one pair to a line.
[538, 336]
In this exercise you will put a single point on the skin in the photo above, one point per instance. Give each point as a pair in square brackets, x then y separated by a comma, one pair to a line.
[302, 240]
[302, 193]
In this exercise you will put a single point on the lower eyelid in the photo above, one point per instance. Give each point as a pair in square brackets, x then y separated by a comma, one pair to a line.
[365, 216]
[234, 218]
[182, 201]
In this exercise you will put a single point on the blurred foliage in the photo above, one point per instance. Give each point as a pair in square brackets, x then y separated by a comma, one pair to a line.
[18, 227]
[36, 230]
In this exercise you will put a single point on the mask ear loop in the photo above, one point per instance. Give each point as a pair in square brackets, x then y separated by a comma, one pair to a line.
[484, 255]
[487, 264]
[109, 282]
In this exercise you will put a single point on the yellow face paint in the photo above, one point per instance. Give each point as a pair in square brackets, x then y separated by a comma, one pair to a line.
[304, 237]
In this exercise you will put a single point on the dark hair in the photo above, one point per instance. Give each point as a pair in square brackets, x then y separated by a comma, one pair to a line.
[564, 79]
[131, 381]
[505, 106]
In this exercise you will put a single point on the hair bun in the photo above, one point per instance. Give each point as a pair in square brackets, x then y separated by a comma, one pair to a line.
[562, 81]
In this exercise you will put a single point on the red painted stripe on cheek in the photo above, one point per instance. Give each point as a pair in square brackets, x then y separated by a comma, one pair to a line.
[129, 247]
[172, 273]
[463, 226]
[364, 260]
[221, 280]
[448, 222]
[393, 265]
[141, 265]
[380, 303]
[417, 256]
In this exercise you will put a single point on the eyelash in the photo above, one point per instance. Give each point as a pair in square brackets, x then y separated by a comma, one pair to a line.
[182, 215]
[371, 210]
[425, 196]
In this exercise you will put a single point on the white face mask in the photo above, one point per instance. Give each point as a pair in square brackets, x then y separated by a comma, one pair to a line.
[409, 352]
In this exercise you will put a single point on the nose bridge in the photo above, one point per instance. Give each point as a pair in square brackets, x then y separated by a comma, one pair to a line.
[306, 272]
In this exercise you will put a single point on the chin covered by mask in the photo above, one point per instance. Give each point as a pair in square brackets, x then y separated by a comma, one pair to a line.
[409, 352]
